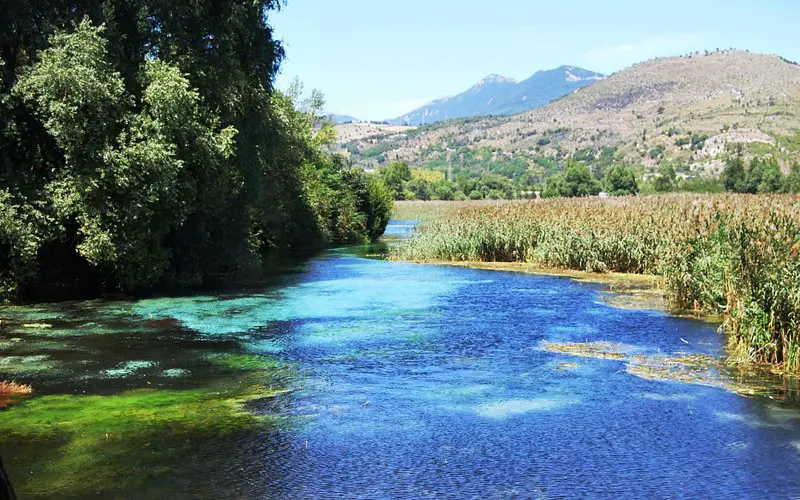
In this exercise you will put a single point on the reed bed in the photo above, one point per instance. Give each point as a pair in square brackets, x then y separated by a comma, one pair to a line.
[429, 210]
[731, 254]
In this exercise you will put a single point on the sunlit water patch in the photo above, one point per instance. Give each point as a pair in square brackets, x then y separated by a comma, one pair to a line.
[360, 377]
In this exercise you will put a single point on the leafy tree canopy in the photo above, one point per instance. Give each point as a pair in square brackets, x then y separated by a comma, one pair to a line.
[620, 181]
[576, 180]
[142, 143]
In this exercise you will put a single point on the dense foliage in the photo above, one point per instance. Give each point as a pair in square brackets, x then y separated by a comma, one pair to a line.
[620, 181]
[733, 254]
[143, 143]
[491, 174]
[406, 183]
[577, 180]
[762, 175]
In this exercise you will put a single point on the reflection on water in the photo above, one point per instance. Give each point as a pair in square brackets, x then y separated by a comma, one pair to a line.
[371, 378]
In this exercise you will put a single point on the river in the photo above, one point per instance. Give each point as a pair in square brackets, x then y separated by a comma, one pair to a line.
[383, 379]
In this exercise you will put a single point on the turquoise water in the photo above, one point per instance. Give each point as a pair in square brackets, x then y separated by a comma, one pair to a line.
[406, 381]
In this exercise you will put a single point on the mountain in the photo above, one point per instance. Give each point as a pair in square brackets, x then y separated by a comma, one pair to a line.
[499, 95]
[340, 119]
[690, 109]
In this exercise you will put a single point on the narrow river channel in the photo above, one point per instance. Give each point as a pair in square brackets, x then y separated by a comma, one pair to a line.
[384, 379]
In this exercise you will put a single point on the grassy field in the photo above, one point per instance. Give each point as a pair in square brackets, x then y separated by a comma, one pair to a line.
[735, 255]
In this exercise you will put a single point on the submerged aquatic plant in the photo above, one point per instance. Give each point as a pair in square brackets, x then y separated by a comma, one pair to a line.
[74, 445]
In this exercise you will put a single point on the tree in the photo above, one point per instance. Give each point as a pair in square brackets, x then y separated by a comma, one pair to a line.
[666, 178]
[620, 181]
[554, 187]
[792, 181]
[420, 187]
[734, 176]
[763, 176]
[444, 191]
[575, 181]
[142, 143]
[395, 175]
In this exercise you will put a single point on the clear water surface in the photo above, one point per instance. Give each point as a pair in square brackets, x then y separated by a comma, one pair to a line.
[406, 381]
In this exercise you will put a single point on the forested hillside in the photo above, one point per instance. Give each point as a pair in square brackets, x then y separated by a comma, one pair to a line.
[142, 143]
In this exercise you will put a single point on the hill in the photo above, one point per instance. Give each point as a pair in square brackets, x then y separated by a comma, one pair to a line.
[499, 95]
[689, 109]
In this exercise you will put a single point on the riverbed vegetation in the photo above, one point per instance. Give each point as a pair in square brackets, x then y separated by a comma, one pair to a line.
[735, 255]
[136, 412]
[90, 437]
[144, 144]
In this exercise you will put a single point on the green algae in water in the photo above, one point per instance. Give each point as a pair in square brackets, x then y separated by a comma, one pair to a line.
[245, 362]
[29, 314]
[77, 445]
[128, 368]
[60, 446]
[80, 329]
[73, 319]
[26, 365]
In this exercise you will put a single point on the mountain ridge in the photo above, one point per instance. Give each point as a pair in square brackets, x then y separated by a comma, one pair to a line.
[501, 95]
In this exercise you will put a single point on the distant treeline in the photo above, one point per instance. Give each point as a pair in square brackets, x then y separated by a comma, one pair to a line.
[143, 144]
[485, 174]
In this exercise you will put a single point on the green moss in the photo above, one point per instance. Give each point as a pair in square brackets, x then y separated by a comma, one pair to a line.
[138, 410]
[75, 445]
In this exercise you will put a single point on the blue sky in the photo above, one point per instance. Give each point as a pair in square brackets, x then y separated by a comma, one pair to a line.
[377, 59]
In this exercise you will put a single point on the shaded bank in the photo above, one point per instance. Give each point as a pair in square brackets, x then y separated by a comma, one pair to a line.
[176, 163]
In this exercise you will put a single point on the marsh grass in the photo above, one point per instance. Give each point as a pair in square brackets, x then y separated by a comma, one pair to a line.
[734, 255]
[430, 210]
